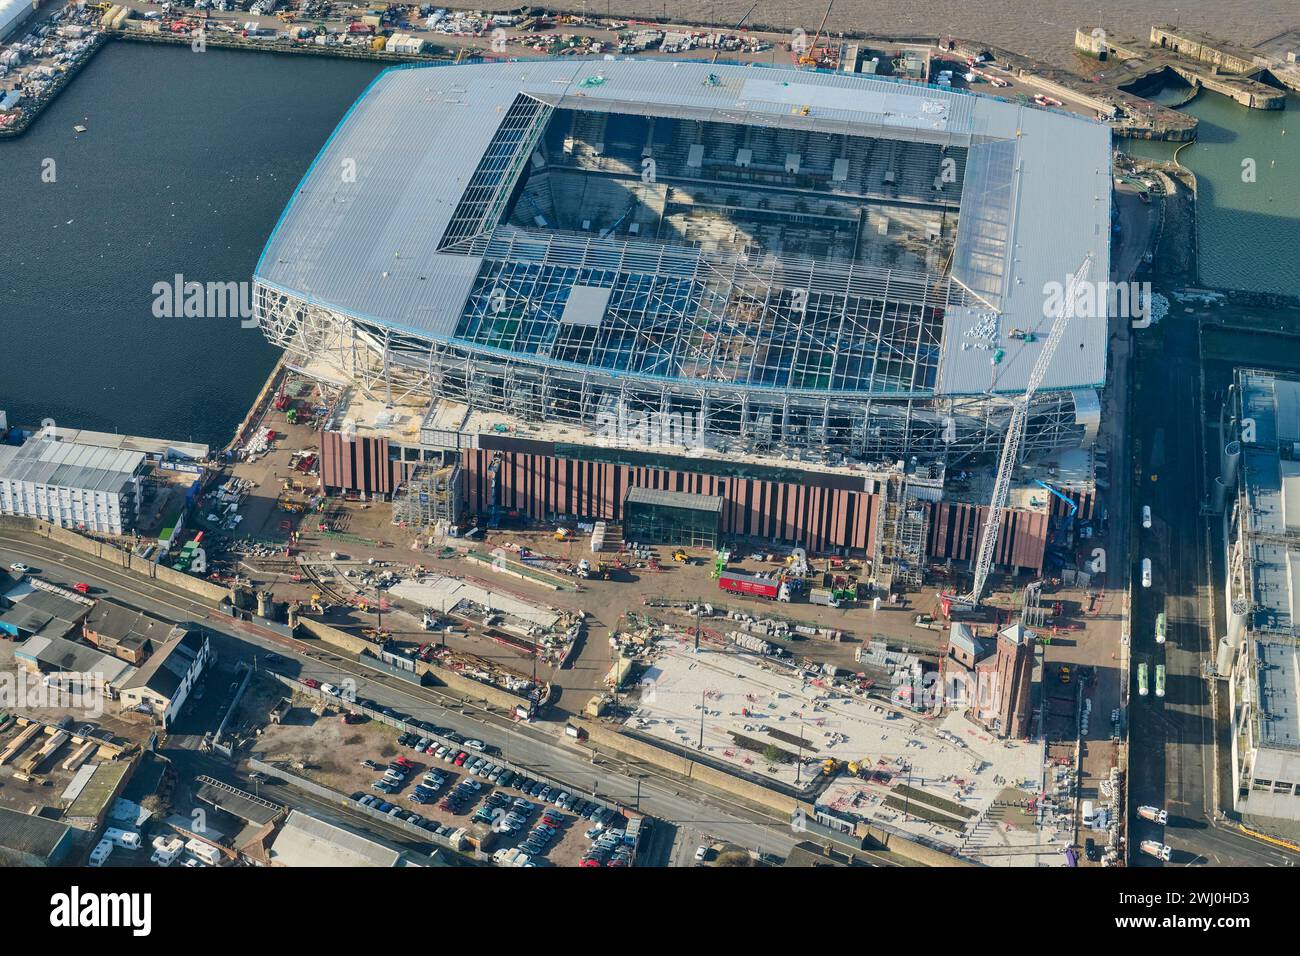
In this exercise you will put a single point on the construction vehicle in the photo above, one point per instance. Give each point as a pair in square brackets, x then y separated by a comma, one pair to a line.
[809, 56]
[1157, 849]
[562, 534]
[1010, 457]
[720, 563]
[823, 596]
[681, 557]
[1154, 814]
[830, 766]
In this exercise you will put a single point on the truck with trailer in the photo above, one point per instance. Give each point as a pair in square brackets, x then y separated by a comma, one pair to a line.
[773, 589]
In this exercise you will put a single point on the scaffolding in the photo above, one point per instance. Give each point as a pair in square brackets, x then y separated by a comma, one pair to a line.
[428, 496]
[900, 547]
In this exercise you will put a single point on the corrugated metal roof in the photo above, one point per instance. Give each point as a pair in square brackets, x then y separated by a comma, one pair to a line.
[48, 461]
[674, 499]
[310, 841]
[361, 234]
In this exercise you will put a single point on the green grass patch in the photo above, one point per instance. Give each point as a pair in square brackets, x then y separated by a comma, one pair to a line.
[921, 796]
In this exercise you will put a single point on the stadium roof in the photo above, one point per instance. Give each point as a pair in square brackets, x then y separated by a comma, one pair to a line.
[393, 227]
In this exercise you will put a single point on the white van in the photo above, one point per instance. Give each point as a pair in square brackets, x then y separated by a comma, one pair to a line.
[1089, 815]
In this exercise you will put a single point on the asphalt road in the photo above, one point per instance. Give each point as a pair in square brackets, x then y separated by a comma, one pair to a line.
[1171, 750]
[692, 813]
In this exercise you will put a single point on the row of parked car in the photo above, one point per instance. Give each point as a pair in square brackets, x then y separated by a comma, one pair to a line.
[395, 812]
[484, 768]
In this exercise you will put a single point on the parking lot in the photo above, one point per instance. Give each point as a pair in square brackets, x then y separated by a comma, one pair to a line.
[446, 789]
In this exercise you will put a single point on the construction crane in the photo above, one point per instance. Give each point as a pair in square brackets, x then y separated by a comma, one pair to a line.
[739, 23]
[809, 56]
[1011, 445]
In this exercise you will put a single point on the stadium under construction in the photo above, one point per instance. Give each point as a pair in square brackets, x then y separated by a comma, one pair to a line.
[813, 295]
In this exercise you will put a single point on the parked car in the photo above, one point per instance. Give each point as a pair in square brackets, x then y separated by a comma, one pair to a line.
[702, 853]
[460, 759]
[311, 682]
[383, 786]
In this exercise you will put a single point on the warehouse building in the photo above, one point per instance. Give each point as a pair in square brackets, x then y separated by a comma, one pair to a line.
[14, 14]
[72, 485]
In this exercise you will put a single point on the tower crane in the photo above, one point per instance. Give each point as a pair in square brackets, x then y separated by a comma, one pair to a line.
[1011, 445]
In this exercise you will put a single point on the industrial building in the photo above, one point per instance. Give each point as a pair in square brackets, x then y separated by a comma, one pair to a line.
[74, 485]
[810, 295]
[1259, 490]
[306, 840]
[13, 15]
[27, 839]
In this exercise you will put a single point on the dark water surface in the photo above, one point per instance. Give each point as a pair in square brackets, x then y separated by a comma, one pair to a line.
[186, 164]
